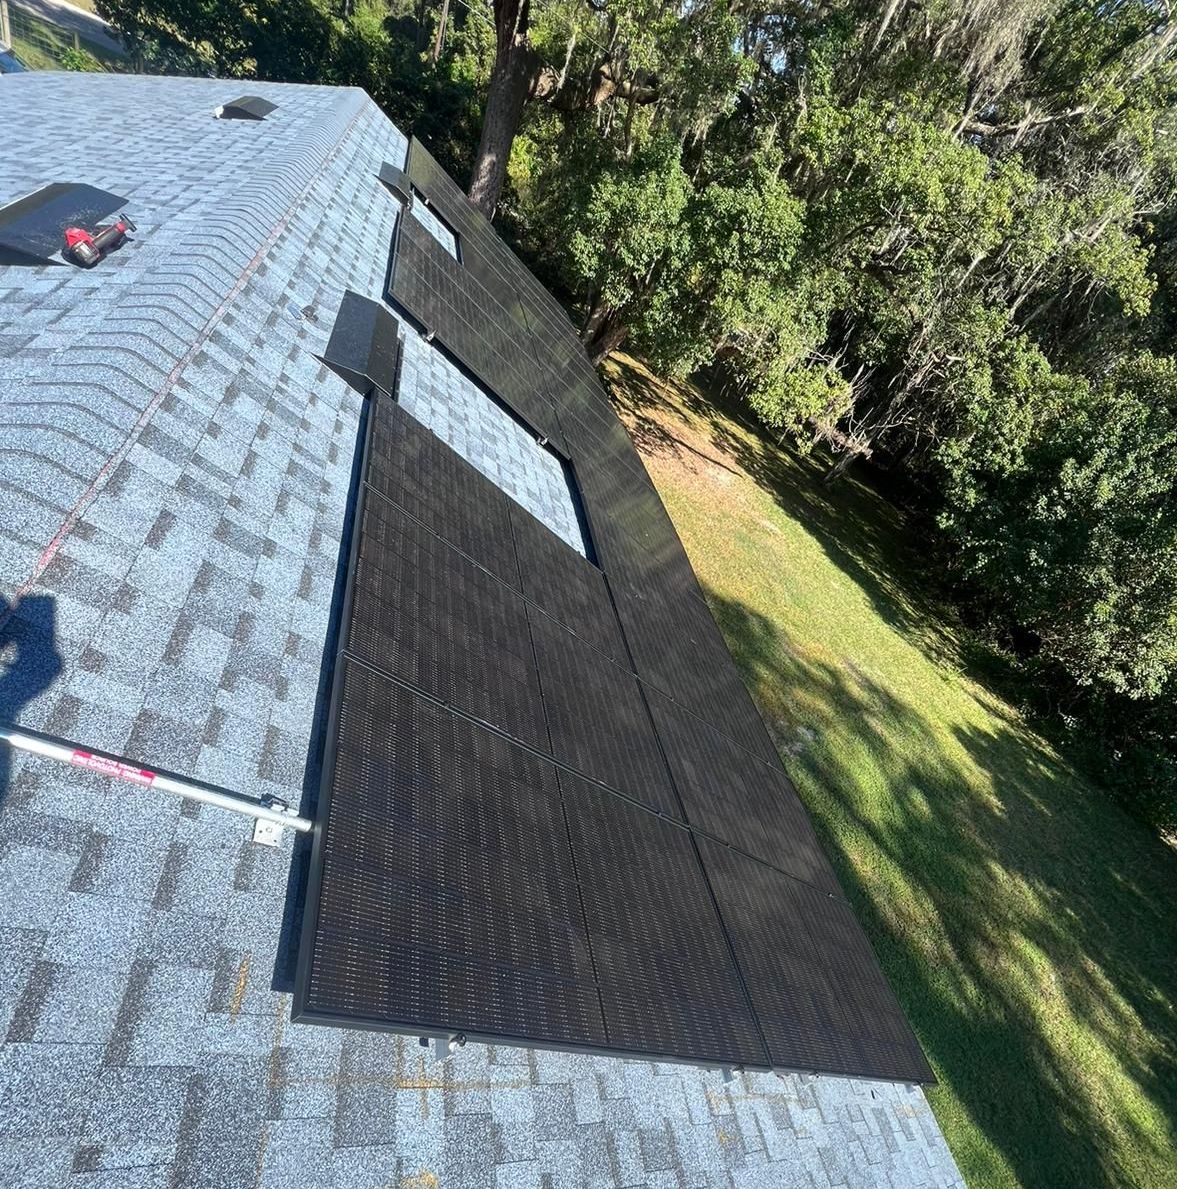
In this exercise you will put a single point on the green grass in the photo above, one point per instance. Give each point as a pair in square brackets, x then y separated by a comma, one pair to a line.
[40, 45]
[1027, 924]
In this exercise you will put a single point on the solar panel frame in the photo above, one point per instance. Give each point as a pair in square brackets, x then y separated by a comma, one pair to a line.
[472, 323]
[458, 503]
[817, 1016]
[678, 649]
[566, 586]
[669, 983]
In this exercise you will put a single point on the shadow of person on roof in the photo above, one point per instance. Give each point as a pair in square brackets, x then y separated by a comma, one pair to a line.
[29, 663]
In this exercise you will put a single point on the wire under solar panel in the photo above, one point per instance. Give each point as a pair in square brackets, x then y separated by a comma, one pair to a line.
[427, 615]
[419, 472]
[819, 994]
[566, 585]
[668, 984]
[728, 792]
[471, 322]
[597, 717]
[443, 895]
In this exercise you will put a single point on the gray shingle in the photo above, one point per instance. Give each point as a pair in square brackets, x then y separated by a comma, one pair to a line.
[164, 422]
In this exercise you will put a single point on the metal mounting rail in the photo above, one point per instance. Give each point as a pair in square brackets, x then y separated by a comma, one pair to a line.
[272, 812]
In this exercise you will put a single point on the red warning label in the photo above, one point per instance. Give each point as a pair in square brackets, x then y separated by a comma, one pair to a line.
[114, 768]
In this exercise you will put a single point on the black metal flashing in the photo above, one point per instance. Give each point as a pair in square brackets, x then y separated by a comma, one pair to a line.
[397, 182]
[247, 107]
[32, 228]
[364, 347]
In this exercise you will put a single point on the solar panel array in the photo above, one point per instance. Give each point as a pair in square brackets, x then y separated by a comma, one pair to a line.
[551, 814]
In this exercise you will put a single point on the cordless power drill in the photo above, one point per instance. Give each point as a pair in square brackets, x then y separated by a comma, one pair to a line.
[88, 247]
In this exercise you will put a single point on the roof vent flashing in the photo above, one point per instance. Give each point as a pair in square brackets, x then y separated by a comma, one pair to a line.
[248, 107]
[32, 229]
[364, 348]
[397, 182]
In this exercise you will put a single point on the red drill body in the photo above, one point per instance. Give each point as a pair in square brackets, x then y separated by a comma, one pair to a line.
[87, 248]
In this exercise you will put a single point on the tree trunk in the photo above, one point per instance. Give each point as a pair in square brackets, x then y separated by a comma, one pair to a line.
[606, 337]
[439, 40]
[510, 82]
[846, 460]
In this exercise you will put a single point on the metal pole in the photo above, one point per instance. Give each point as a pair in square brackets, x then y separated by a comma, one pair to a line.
[5, 28]
[120, 769]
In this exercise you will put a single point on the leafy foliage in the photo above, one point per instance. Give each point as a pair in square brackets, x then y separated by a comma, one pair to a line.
[935, 237]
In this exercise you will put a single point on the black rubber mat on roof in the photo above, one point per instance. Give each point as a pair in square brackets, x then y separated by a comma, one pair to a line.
[32, 227]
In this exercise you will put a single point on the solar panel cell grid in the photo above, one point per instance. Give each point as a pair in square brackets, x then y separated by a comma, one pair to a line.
[677, 647]
[728, 792]
[448, 896]
[566, 585]
[425, 614]
[597, 717]
[668, 982]
[822, 1002]
[421, 474]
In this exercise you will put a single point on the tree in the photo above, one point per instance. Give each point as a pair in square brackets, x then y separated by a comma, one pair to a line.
[1067, 521]
[588, 56]
[512, 76]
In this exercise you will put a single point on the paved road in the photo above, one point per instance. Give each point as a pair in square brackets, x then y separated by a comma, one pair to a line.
[75, 20]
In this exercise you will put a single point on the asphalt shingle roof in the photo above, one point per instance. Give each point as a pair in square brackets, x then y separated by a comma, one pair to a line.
[175, 466]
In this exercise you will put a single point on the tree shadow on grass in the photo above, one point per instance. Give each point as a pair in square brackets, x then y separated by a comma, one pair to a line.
[863, 534]
[1024, 921]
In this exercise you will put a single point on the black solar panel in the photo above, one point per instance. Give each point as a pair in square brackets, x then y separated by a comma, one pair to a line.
[551, 814]
[728, 792]
[566, 585]
[597, 717]
[443, 894]
[472, 323]
[820, 998]
[634, 538]
[668, 983]
[421, 474]
[677, 647]
[429, 616]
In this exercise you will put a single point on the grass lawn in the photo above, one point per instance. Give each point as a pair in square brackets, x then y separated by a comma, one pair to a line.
[1028, 926]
